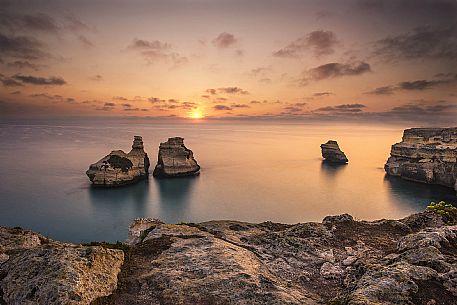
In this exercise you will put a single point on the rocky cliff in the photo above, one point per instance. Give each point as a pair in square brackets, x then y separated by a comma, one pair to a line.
[338, 261]
[35, 270]
[119, 168]
[332, 153]
[427, 155]
[175, 160]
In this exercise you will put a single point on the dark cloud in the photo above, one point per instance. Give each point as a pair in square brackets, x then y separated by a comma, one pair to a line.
[35, 80]
[255, 102]
[240, 106]
[385, 90]
[292, 109]
[36, 22]
[9, 82]
[156, 100]
[15, 93]
[23, 65]
[343, 108]
[318, 94]
[221, 107]
[224, 40]
[320, 42]
[436, 42]
[21, 47]
[154, 51]
[417, 85]
[40, 22]
[333, 70]
[47, 96]
[232, 90]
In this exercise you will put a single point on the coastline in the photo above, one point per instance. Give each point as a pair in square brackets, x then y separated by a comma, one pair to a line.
[337, 261]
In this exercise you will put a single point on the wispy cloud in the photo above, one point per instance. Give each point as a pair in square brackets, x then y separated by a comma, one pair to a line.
[319, 42]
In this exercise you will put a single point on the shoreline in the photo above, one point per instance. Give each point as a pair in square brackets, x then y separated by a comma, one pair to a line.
[338, 261]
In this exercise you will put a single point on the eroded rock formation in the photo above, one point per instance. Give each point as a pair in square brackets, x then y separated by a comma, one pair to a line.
[175, 160]
[119, 168]
[332, 153]
[427, 155]
[338, 261]
[37, 270]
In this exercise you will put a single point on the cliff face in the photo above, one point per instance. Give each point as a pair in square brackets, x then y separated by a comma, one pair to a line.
[332, 153]
[175, 160]
[338, 261]
[36, 270]
[119, 168]
[427, 155]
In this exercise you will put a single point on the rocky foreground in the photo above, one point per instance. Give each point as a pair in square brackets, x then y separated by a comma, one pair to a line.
[338, 261]
[427, 155]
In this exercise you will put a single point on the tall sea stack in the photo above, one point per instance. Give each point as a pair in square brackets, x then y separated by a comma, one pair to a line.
[119, 168]
[175, 160]
[427, 155]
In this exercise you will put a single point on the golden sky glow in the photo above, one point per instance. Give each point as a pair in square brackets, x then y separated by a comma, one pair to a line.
[200, 58]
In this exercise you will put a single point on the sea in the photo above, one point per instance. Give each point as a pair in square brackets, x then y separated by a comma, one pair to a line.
[251, 171]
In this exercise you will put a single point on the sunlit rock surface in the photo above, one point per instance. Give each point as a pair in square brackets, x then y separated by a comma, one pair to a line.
[36, 270]
[427, 155]
[332, 153]
[338, 261]
[175, 160]
[119, 168]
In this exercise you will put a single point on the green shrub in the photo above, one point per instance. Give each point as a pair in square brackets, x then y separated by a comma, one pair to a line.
[446, 210]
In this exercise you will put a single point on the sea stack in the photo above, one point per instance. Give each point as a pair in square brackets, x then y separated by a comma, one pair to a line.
[332, 153]
[427, 155]
[119, 168]
[175, 160]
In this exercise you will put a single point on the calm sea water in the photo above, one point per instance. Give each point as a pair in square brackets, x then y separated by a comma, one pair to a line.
[250, 172]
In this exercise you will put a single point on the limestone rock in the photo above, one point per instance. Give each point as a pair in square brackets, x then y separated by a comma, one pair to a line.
[332, 153]
[120, 168]
[338, 261]
[50, 272]
[427, 155]
[175, 160]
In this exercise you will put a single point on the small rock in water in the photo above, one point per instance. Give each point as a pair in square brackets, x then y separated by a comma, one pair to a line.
[175, 160]
[331, 152]
[119, 168]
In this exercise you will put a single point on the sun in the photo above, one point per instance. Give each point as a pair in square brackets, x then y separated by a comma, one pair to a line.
[196, 114]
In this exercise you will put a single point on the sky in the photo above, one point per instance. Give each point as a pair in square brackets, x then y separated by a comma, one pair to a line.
[352, 60]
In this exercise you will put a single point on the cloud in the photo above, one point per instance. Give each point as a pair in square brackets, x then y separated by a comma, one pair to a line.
[155, 51]
[436, 42]
[40, 22]
[320, 42]
[9, 82]
[318, 94]
[240, 106]
[85, 41]
[232, 90]
[385, 90]
[221, 107]
[36, 22]
[343, 108]
[96, 78]
[23, 65]
[334, 70]
[417, 85]
[21, 47]
[34, 80]
[224, 40]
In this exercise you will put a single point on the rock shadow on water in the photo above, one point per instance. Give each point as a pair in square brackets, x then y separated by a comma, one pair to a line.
[134, 197]
[331, 169]
[175, 195]
[416, 194]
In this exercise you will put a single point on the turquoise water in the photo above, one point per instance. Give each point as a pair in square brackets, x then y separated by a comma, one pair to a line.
[250, 172]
